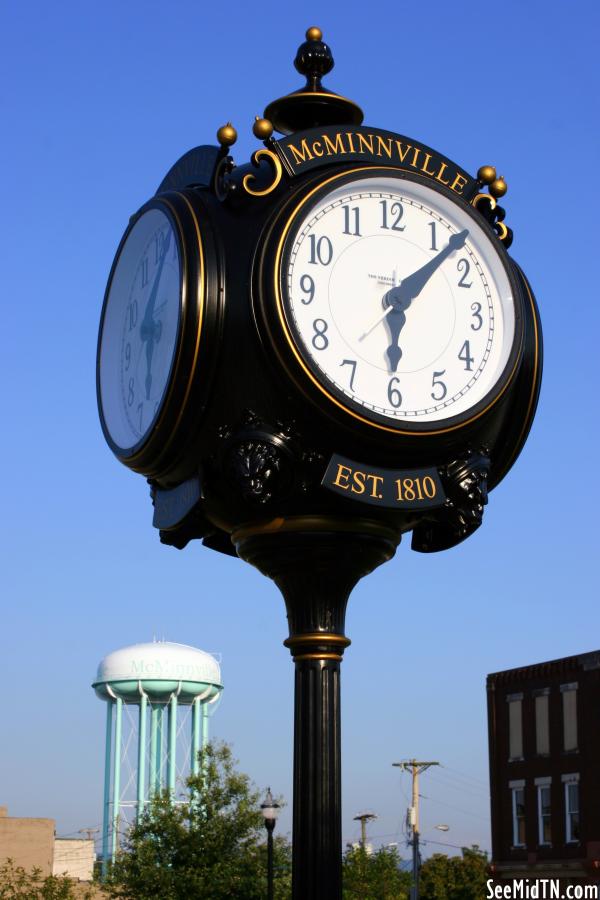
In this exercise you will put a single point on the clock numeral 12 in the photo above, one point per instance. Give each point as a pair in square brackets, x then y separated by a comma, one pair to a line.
[397, 210]
[356, 211]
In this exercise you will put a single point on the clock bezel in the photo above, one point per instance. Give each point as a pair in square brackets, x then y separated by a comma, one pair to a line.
[156, 451]
[299, 366]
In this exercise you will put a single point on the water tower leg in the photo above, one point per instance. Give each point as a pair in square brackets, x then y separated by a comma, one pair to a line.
[316, 561]
[204, 725]
[116, 806]
[153, 746]
[196, 711]
[107, 767]
[172, 753]
[158, 760]
[141, 773]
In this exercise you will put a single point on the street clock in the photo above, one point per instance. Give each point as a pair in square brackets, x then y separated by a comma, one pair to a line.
[308, 356]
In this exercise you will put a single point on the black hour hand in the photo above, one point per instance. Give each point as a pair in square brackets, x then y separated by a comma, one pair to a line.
[395, 322]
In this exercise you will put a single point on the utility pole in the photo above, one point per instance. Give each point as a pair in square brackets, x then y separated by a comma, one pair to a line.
[416, 767]
[363, 818]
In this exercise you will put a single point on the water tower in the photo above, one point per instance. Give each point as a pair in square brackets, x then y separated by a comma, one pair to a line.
[159, 697]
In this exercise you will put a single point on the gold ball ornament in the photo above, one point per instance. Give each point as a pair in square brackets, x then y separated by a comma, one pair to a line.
[314, 34]
[227, 135]
[486, 174]
[498, 188]
[262, 129]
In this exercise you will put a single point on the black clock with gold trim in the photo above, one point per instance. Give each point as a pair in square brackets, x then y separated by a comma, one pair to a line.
[310, 355]
[159, 324]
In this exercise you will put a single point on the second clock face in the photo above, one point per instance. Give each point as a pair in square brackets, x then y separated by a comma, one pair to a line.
[140, 329]
[396, 300]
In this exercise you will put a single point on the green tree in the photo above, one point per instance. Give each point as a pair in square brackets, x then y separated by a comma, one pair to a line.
[374, 876]
[209, 845]
[455, 877]
[18, 884]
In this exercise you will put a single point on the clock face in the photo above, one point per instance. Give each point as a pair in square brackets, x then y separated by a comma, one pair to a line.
[139, 331]
[396, 301]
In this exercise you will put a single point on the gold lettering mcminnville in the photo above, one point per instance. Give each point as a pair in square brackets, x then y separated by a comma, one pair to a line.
[424, 166]
[301, 155]
[375, 145]
[438, 177]
[365, 141]
[335, 148]
[403, 153]
[458, 184]
[381, 145]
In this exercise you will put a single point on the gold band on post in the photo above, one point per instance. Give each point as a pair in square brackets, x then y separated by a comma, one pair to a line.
[335, 656]
[317, 637]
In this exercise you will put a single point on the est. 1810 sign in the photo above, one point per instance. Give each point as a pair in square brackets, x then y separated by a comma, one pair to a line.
[391, 488]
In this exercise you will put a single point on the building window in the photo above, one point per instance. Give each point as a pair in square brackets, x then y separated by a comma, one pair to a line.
[515, 726]
[544, 812]
[569, 699]
[571, 808]
[542, 726]
[518, 813]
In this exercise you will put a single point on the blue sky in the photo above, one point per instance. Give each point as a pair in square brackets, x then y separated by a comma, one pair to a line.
[98, 101]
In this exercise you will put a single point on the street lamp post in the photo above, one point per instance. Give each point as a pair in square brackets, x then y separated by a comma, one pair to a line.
[270, 810]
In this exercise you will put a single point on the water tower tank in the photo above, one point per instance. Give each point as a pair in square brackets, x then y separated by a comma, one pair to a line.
[144, 685]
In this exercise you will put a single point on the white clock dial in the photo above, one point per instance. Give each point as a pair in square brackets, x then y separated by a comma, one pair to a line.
[397, 300]
[140, 329]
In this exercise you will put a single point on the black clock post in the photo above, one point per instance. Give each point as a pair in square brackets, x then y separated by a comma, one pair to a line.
[315, 562]
[287, 397]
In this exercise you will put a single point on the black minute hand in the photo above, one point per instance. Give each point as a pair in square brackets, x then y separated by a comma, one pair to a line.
[149, 331]
[412, 286]
[398, 299]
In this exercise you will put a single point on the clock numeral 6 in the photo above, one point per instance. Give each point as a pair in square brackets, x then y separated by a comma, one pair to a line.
[321, 250]
[308, 286]
[394, 395]
[319, 341]
[437, 383]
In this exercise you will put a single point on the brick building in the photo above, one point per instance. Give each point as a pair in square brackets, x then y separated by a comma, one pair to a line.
[31, 844]
[544, 744]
